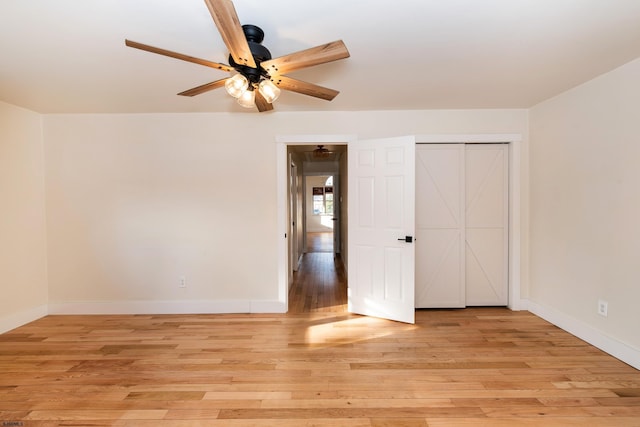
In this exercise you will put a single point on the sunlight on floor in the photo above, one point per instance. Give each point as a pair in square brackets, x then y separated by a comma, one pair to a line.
[351, 330]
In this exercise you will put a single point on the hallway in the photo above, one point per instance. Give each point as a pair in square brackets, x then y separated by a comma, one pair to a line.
[320, 284]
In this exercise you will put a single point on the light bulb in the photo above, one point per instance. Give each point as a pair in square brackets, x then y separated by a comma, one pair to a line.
[269, 91]
[236, 85]
[247, 99]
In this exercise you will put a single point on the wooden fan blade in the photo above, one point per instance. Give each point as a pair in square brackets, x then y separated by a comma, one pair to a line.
[262, 103]
[226, 19]
[176, 55]
[304, 88]
[306, 58]
[204, 88]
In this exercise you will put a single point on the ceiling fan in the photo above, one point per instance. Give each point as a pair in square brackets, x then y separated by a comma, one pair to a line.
[321, 152]
[257, 77]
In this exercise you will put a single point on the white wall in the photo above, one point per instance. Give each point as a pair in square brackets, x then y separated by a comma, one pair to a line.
[136, 201]
[585, 210]
[23, 263]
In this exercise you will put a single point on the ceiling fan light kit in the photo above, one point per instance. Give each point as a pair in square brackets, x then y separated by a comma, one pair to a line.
[269, 91]
[258, 79]
[236, 85]
[248, 98]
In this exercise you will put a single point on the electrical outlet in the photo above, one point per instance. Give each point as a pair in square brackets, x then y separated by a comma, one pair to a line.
[183, 282]
[603, 308]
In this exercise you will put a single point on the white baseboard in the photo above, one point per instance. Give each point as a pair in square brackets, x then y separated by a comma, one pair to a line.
[167, 307]
[15, 320]
[268, 307]
[12, 321]
[588, 333]
[519, 305]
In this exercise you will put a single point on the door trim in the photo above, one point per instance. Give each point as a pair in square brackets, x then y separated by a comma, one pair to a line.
[516, 179]
[282, 177]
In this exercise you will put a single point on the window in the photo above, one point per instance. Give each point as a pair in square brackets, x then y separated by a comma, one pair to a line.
[328, 200]
[318, 200]
[323, 198]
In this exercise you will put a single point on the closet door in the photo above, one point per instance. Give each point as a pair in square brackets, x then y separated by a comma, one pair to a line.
[486, 218]
[440, 232]
[461, 225]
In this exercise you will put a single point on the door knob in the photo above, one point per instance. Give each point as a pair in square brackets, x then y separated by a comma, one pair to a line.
[407, 239]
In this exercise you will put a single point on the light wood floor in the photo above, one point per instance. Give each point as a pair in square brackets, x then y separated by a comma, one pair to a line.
[312, 367]
[319, 285]
[320, 242]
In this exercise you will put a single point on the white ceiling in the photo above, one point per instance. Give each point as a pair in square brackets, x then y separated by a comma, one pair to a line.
[68, 56]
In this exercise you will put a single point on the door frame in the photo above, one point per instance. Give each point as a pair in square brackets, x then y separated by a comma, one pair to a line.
[306, 191]
[282, 173]
[293, 209]
[516, 170]
[516, 178]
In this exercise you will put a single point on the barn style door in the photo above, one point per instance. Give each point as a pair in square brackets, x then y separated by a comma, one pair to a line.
[461, 225]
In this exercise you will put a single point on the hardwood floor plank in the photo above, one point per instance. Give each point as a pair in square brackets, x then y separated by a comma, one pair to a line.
[88, 415]
[398, 422]
[183, 415]
[143, 405]
[341, 403]
[166, 395]
[289, 413]
[247, 395]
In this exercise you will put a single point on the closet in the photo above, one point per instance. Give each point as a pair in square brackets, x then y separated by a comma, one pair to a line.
[461, 225]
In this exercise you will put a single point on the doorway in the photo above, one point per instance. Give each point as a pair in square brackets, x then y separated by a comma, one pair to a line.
[321, 214]
[317, 202]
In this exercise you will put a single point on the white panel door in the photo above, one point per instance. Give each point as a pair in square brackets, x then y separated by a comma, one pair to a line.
[486, 217]
[440, 227]
[381, 212]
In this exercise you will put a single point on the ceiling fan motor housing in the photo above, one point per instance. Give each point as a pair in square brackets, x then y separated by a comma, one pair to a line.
[254, 36]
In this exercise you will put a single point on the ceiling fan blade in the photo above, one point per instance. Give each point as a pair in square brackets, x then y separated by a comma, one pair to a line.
[204, 88]
[177, 55]
[262, 103]
[304, 88]
[226, 19]
[306, 58]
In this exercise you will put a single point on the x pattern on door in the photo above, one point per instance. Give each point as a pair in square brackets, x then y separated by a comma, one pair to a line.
[461, 221]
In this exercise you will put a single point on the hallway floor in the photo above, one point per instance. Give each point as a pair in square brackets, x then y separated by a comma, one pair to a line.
[319, 285]
[320, 242]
